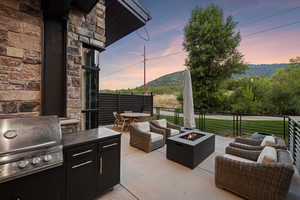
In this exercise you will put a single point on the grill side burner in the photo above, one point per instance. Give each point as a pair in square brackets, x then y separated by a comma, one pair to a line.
[29, 145]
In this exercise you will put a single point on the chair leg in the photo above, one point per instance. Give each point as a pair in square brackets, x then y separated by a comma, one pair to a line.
[123, 126]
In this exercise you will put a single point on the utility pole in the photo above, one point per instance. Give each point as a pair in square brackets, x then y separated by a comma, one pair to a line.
[146, 39]
[145, 89]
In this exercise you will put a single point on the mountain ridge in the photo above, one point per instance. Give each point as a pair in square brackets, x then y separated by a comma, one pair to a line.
[176, 78]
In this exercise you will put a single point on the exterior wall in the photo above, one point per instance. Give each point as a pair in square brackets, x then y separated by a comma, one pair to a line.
[21, 38]
[82, 29]
[20, 57]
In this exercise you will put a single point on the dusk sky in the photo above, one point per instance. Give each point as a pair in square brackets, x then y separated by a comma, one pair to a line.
[122, 65]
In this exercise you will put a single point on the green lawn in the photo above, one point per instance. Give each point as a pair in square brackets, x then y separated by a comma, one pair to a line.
[225, 127]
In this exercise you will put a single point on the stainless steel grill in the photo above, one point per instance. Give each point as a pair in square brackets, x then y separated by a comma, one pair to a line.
[29, 145]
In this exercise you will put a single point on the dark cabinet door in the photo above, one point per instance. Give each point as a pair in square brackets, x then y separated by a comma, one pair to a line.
[82, 173]
[109, 167]
[46, 185]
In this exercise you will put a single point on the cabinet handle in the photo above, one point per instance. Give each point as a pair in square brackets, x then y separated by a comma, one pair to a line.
[110, 145]
[82, 164]
[101, 168]
[82, 153]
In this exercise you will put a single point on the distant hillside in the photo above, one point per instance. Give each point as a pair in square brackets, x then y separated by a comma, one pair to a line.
[176, 78]
[260, 70]
[172, 79]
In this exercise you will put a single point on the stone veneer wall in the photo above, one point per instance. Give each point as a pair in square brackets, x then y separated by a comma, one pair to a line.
[88, 29]
[20, 57]
[21, 23]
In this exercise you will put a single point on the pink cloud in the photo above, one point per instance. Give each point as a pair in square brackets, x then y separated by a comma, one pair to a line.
[272, 47]
[175, 46]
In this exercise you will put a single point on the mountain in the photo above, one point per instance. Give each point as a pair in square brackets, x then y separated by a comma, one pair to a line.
[260, 70]
[172, 79]
[176, 78]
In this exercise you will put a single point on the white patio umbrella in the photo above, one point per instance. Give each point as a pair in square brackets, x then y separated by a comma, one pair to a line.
[188, 104]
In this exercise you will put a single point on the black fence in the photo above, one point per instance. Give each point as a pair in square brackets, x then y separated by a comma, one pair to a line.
[294, 141]
[109, 103]
[229, 124]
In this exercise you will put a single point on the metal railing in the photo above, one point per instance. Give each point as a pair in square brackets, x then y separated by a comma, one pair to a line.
[227, 123]
[294, 141]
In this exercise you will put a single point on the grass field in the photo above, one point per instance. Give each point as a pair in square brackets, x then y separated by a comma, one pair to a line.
[225, 127]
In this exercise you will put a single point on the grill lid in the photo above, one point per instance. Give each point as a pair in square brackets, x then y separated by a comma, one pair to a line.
[24, 134]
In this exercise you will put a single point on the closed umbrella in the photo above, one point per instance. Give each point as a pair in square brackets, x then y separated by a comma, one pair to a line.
[188, 104]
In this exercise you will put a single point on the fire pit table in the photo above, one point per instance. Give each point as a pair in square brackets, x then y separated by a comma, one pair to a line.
[190, 148]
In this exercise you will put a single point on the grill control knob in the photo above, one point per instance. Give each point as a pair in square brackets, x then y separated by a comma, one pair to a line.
[36, 160]
[47, 158]
[23, 163]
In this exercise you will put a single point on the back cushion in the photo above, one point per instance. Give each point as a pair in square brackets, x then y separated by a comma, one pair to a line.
[268, 141]
[143, 126]
[267, 155]
[162, 123]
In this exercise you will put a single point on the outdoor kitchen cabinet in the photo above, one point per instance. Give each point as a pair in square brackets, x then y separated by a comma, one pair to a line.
[45, 185]
[92, 168]
[109, 164]
[81, 172]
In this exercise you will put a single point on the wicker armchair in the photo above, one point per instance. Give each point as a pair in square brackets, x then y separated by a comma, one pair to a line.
[254, 180]
[251, 144]
[147, 140]
[170, 128]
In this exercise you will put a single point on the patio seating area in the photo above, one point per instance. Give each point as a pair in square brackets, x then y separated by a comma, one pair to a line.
[152, 176]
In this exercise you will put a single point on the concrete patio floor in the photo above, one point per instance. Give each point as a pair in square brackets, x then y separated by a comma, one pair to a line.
[150, 176]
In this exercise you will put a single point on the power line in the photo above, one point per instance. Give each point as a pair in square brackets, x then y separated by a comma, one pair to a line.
[125, 67]
[167, 55]
[147, 38]
[271, 29]
[134, 64]
[273, 15]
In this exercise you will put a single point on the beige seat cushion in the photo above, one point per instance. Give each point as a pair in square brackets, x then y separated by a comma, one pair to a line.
[232, 157]
[162, 122]
[267, 155]
[156, 137]
[268, 141]
[174, 131]
[143, 126]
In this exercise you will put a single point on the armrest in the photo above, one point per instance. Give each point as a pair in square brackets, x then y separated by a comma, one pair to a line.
[280, 143]
[253, 180]
[173, 126]
[246, 146]
[250, 155]
[157, 130]
[248, 141]
[139, 133]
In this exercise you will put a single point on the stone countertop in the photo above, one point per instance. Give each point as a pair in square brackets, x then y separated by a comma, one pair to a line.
[93, 135]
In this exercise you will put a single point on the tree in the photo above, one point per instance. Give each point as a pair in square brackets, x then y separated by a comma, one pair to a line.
[284, 95]
[295, 60]
[211, 43]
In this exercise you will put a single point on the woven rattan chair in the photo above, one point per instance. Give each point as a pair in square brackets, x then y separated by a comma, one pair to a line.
[255, 145]
[171, 129]
[254, 180]
[147, 140]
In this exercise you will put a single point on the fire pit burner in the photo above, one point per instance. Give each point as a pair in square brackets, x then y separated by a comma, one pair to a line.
[192, 136]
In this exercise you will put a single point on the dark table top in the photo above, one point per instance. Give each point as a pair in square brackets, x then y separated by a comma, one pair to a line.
[177, 138]
[92, 135]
